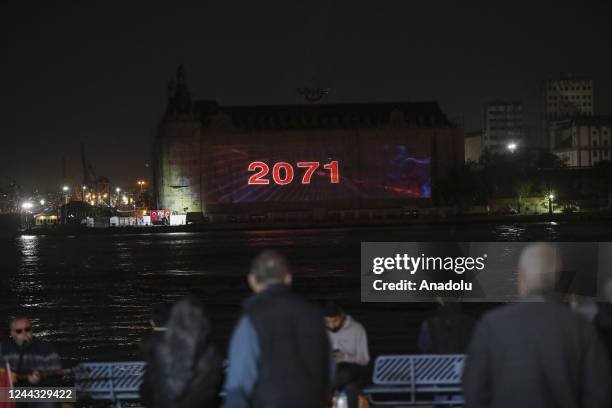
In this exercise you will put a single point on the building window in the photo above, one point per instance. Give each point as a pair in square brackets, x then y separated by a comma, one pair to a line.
[594, 153]
[594, 142]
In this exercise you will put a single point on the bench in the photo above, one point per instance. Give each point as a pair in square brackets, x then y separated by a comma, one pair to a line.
[426, 379]
[116, 382]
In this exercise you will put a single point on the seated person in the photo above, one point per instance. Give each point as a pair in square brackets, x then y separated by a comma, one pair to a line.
[349, 343]
[33, 362]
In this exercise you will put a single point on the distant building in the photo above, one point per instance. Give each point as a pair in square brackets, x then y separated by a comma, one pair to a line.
[502, 125]
[566, 97]
[48, 217]
[312, 159]
[584, 141]
[473, 146]
[9, 199]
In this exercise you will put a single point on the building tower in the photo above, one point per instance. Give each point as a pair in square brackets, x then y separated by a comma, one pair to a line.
[566, 97]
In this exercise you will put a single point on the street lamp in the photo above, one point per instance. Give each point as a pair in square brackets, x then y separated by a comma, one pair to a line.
[511, 147]
[27, 206]
[65, 189]
[117, 190]
[42, 202]
[551, 197]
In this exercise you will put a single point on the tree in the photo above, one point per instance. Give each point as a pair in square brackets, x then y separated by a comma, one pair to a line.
[523, 190]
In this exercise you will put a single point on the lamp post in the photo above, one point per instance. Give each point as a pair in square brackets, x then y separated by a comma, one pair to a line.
[26, 207]
[65, 190]
[551, 197]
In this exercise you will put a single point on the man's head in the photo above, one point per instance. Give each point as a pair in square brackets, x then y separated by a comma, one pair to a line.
[21, 330]
[539, 269]
[269, 268]
[334, 316]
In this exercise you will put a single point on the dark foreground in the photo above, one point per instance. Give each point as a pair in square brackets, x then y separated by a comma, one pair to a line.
[91, 294]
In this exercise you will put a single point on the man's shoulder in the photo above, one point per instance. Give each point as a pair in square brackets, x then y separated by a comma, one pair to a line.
[354, 324]
[306, 308]
[283, 301]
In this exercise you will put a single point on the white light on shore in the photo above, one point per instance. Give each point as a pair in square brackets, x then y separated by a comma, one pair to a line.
[27, 205]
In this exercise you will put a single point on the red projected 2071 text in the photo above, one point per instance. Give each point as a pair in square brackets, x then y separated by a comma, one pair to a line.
[283, 173]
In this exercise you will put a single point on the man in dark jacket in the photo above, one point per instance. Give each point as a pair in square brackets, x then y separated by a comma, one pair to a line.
[279, 353]
[537, 353]
[35, 362]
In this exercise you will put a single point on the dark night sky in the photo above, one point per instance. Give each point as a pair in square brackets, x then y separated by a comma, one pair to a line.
[98, 74]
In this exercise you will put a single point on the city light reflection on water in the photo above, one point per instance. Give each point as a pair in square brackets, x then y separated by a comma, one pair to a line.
[91, 294]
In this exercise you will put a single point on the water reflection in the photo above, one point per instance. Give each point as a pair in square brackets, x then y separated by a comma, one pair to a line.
[91, 294]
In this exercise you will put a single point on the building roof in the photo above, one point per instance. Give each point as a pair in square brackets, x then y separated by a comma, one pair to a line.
[503, 103]
[569, 76]
[48, 212]
[301, 116]
[348, 115]
[474, 133]
[565, 144]
[598, 120]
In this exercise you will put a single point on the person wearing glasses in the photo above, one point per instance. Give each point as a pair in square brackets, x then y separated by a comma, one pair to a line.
[33, 361]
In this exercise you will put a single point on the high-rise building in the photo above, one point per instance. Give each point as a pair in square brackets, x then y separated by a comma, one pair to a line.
[566, 97]
[502, 126]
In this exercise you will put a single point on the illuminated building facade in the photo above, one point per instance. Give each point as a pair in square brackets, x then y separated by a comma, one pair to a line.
[260, 159]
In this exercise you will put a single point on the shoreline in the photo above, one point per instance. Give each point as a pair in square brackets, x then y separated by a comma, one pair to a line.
[601, 216]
